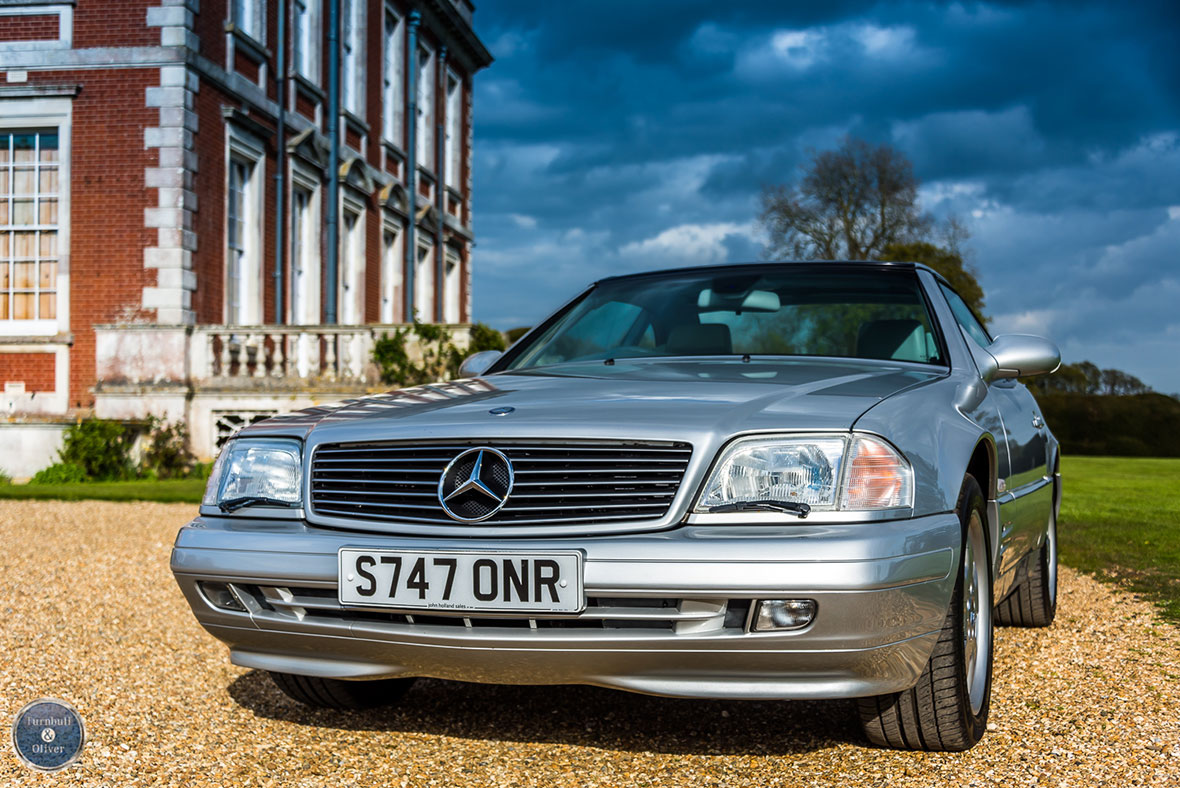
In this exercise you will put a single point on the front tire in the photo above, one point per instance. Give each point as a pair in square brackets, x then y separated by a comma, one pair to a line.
[947, 709]
[341, 695]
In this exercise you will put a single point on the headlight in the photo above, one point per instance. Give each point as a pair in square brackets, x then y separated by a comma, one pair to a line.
[256, 472]
[826, 472]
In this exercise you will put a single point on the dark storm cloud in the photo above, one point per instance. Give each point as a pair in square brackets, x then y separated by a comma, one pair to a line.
[612, 136]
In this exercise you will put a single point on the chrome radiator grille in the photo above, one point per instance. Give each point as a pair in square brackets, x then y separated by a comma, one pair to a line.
[570, 481]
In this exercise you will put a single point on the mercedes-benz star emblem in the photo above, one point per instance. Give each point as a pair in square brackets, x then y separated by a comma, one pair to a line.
[475, 485]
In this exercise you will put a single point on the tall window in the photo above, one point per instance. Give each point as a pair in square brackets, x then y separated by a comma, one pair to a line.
[451, 289]
[391, 275]
[394, 79]
[29, 193]
[352, 269]
[305, 272]
[306, 38]
[238, 252]
[424, 284]
[250, 16]
[425, 140]
[454, 141]
[352, 57]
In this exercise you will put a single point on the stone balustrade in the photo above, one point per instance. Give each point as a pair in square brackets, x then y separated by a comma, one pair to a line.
[214, 355]
[217, 378]
[330, 353]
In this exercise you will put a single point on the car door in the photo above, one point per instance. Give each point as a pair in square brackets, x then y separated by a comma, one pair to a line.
[1024, 496]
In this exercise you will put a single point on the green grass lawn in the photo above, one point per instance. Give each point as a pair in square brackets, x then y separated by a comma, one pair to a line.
[1120, 519]
[173, 490]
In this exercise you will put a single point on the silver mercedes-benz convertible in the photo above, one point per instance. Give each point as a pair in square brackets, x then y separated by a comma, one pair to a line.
[776, 480]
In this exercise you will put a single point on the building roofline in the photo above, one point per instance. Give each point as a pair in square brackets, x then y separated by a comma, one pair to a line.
[455, 24]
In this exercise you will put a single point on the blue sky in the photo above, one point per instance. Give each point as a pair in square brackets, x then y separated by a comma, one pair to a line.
[623, 136]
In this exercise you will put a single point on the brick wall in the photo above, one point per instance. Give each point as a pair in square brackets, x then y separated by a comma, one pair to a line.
[38, 27]
[114, 23]
[209, 220]
[35, 370]
[107, 201]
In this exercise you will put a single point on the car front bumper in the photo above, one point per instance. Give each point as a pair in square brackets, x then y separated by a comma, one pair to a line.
[882, 591]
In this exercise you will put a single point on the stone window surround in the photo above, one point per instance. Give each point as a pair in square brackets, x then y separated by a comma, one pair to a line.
[309, 71]
[392, 260]
[394, 87]
[242, 145]
[304, 177]
[65, 29]
[352, 202]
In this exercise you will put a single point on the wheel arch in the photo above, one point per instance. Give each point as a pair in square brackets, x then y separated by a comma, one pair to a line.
[983, 466]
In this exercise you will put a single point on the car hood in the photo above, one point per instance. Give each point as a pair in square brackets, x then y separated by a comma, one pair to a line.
[672, 399]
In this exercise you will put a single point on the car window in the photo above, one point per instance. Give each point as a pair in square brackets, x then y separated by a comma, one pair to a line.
[965, 317]
[599, 331]
[899, 332]
[772, 310]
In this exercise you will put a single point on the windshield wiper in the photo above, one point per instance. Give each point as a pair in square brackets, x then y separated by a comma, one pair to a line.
[233, 504]
[801, 510]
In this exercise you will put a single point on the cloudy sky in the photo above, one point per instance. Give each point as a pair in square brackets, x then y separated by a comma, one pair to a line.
[618, 136]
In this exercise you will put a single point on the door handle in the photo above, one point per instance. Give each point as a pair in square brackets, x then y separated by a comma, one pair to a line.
[1038, 422]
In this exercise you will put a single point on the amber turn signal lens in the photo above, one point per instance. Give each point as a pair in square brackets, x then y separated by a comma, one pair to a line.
[878, 477]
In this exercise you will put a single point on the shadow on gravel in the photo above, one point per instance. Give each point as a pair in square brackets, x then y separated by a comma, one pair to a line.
[579, 715]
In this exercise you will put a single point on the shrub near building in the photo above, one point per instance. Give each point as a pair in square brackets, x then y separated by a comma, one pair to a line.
[92, 450]
[98, 450]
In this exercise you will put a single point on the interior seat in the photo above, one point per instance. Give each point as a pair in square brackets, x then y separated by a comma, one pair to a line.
[893, 340]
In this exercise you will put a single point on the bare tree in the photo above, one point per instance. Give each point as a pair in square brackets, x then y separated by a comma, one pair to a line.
[850, 204]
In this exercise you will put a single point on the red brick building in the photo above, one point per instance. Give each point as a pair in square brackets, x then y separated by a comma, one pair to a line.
[144, 168]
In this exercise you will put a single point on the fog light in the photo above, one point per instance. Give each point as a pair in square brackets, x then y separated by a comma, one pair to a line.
[777, 614]
[220, 596]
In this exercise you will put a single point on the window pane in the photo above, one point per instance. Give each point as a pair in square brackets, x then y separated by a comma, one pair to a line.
[23, 275]
[4, 280]
[48, 306]
[49, 211]
[24, 245]
[24, 148]
[22, 180]
[48, 245]
[48, 277]
[49, 146]
[3, 178]
[23, 305]
[965, 317]
[3, 305]
[48, 180]
[4, 212]
[22, 212]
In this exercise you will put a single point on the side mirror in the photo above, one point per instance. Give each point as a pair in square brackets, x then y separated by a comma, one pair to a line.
[476, 364]
[1021, 355]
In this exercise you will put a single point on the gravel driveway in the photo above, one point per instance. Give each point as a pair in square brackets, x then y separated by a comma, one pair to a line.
[91, 615]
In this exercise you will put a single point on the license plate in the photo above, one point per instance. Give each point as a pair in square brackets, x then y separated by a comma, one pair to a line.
[462, 581]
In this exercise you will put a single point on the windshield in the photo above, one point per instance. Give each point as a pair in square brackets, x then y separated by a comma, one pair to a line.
[795, 310]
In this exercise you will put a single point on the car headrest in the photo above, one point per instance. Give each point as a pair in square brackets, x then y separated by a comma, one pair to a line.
[709, 339]
[897, 340]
